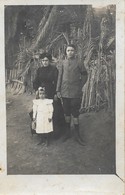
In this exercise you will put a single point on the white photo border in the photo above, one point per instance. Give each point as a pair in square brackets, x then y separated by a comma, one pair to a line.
[67, 184]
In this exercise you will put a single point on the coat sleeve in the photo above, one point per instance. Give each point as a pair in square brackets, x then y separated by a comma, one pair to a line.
[84, 74]
[82, 68]
[55, 78]
[35, 106]
[50, 110]
[60, 74]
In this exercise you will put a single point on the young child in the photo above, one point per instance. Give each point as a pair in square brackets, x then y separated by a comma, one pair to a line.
[42, 115]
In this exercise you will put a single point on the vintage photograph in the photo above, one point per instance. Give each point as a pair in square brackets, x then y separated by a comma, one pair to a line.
[60, 74]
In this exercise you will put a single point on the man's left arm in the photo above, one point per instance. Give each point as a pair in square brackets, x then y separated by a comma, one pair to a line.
[84, 74]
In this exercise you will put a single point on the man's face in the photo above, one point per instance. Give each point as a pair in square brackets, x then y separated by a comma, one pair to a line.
[70, 51]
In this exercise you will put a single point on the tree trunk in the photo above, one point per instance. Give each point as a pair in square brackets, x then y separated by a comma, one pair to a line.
[45, 30]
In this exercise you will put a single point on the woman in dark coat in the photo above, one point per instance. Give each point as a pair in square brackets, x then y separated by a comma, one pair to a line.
[47, 76]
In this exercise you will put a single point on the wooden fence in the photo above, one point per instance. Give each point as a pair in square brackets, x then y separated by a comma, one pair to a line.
[13, 84]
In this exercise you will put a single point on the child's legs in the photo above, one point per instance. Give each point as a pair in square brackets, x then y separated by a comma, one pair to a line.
[42, 139]
[47, 138]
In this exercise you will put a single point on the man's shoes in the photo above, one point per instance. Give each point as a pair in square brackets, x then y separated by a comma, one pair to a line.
[78, 137]
[80, 141]
[67, 134]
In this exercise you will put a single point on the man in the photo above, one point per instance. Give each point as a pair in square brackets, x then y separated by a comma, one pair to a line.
[69, 88]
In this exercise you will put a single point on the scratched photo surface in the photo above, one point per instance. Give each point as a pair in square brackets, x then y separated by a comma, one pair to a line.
[31, 31]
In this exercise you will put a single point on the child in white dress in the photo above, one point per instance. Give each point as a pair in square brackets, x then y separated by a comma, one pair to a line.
[42, 114]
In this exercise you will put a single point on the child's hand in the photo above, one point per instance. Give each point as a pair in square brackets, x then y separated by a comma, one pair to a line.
[33, 124]
[49, 119]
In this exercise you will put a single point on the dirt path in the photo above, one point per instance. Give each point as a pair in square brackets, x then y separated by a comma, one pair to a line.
[26, 157]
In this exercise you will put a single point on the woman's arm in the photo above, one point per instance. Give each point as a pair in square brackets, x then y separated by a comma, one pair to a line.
[36, 81]
[55, 78]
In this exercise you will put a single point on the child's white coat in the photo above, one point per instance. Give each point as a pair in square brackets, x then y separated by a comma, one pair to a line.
[42, 111]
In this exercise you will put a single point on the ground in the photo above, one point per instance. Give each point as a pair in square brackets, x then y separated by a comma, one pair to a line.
[24, 156]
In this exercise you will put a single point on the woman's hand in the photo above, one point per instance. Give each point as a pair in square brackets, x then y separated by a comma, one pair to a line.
[58, 94]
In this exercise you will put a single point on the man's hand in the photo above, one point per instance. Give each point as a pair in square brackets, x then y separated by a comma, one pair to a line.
[55, 97]
[33, 125]
[58, 94]
[50, 120]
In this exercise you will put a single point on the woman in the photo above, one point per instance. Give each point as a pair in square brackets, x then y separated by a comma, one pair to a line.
[46, 76]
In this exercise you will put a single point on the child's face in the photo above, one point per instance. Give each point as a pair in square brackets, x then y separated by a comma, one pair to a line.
[45, 62]
[42, 95]
[70, 52]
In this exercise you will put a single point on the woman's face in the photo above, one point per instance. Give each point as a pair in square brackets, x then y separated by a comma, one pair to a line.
[45, 62]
